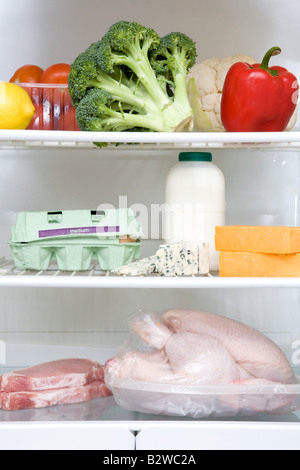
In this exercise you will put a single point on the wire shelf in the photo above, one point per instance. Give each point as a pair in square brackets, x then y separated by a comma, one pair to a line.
[10, 276]
[147, 140]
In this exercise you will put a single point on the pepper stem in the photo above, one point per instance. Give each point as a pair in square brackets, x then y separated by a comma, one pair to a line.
[265, 62]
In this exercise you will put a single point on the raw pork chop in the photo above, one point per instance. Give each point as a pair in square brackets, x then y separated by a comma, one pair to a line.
[55, 374]
[60, 396]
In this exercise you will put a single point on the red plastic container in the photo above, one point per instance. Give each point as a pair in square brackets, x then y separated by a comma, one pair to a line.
[53, 107]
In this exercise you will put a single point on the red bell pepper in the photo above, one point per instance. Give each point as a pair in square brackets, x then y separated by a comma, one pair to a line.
[258, 98]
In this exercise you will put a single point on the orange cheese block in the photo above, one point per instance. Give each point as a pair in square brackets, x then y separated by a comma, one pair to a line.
[243, 264]
[258, 239]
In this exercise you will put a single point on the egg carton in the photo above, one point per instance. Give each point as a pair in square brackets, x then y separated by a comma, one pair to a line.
[73, 239]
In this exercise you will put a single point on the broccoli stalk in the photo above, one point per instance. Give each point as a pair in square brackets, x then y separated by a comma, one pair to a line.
[174, 57]
[97, 111]
[133, 80]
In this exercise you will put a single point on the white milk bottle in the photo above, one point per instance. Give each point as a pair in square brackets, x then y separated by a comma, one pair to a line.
[194, 202]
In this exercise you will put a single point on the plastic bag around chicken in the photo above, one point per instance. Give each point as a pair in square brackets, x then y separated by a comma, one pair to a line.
[194, 364]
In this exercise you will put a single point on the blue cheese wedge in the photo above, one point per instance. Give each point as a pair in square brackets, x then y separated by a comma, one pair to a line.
[183, 259]
[176, 259]
[141, 267]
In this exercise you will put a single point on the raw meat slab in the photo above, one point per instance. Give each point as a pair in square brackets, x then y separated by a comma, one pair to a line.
[61, 396]
[55, 374]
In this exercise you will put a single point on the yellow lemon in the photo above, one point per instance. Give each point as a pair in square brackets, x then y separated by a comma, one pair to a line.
[16, 108]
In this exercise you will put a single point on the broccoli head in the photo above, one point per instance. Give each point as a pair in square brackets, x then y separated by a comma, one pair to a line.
[132, 79]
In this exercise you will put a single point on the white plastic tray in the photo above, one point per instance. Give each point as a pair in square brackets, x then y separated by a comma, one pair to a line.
[205, 401]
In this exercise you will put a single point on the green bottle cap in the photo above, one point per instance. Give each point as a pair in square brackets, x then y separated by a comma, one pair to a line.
[195, 157]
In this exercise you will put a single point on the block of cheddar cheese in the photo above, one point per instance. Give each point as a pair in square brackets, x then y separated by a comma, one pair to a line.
[258, 239]
[243, 264]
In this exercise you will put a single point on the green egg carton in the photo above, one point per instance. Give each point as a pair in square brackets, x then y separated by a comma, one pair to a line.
[75, 238]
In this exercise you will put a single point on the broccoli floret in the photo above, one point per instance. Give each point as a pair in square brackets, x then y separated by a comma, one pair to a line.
[83, 74]
[132, 79]
[173, 58]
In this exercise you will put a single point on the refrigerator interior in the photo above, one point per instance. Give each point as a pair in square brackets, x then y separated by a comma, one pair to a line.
[45, 321]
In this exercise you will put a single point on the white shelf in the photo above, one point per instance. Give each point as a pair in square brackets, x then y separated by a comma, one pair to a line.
[101, 425]
[218, 436]
[64, 435]
[74, 139]
[10, 276]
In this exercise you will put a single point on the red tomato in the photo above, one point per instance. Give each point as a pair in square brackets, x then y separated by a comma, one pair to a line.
[68, 121]
[27, 74]
[43, 117]
[36, 121]
[57, 73]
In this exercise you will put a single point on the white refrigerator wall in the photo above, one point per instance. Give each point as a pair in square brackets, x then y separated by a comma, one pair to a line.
[261, 187]
[42, 32]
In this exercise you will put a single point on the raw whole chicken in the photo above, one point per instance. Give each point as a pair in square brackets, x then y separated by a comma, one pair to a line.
[189, 347]
[201, 348]
[256, 355]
